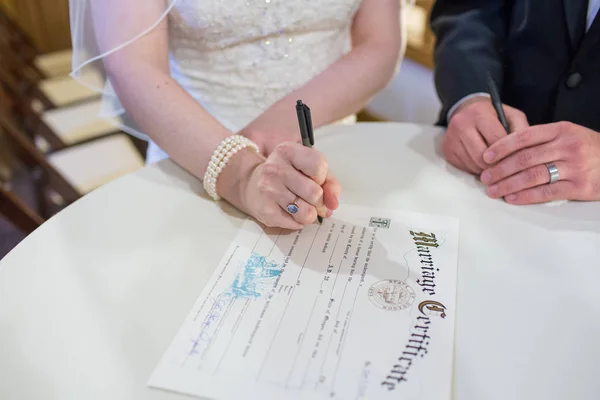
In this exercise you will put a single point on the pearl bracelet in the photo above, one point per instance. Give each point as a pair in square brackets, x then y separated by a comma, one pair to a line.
[227, 149]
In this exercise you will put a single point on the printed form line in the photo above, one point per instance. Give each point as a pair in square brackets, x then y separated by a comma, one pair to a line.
[333, 330]
[334, 246]
[286, 306]
[235, 328]
[337, 367]
[322, 283]
[301, 342]
[258, 240]
[210, 343]
[275, 242]
[223, 269]
[197, 339]
[336, 276]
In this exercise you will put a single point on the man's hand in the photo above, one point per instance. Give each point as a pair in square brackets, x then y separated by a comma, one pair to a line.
[474, 127]
[518, 170]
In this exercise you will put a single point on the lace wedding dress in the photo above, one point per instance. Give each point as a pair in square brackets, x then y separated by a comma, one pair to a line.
[238, 57]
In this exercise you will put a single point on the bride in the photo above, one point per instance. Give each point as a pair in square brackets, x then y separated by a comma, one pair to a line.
[213, 84]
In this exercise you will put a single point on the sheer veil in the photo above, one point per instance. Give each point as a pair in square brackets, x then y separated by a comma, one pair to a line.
[89, 50]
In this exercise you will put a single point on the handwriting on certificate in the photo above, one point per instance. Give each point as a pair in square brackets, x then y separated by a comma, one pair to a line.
[359, 307]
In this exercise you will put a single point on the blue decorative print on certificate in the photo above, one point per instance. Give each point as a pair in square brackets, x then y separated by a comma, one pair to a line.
[250, 282]
[255, 276]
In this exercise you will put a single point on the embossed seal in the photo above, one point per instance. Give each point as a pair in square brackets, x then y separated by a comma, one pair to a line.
[392, 295]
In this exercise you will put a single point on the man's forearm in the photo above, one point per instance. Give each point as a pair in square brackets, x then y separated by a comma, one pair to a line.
[470, 40]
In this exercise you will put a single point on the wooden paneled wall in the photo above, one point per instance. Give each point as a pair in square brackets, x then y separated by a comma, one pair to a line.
[421, 40]
[46, 21]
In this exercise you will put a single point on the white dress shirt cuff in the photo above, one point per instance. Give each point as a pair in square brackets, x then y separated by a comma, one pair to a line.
[463, 100]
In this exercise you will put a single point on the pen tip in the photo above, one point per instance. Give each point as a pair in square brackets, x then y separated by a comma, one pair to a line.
[320, 219]
[299, 102]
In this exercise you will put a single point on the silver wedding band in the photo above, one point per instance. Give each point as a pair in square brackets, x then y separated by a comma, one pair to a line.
[553, 171]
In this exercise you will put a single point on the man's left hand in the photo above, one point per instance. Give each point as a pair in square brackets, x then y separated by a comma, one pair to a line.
[518, 165]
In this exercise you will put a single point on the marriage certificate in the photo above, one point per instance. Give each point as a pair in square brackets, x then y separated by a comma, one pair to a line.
[360, 307]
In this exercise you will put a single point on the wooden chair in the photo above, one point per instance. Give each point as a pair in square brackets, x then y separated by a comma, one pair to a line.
[7, 159]
[59, 127]
[80, 169]
[47, 65]
[55, 91]
[24, 76]
[18, 213]
[44, 174]
[63, 90]
[77, 169]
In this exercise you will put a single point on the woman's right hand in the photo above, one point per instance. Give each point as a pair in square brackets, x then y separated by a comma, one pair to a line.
[291, 174]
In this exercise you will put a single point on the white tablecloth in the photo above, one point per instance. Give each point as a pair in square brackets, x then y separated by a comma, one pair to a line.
[91, 300]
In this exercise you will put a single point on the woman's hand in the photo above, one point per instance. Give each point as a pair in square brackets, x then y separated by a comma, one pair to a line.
[292, 174]
[270, 134]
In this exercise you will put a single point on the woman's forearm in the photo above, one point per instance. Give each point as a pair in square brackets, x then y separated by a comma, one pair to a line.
[348, 84]
[168, 114]
[180, 126]
[341, 90]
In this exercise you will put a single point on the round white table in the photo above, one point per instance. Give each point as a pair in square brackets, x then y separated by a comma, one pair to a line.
[91, 300]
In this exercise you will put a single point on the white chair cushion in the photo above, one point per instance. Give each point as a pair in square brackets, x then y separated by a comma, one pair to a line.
[91, 165]
[54, 64]
[65, 90]
[79, 122]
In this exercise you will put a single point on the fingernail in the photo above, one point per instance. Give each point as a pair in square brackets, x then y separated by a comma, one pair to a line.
[486, 177]
[511, 197]
[488, 156]
[493, 190]
[329, 213]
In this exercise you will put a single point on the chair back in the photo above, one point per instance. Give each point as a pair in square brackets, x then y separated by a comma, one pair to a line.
[7, 160]
[28, 155]
[19, 101]
[12, 35]
[18, 213]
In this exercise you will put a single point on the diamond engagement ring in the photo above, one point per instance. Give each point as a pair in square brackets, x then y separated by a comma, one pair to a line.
[553, 171]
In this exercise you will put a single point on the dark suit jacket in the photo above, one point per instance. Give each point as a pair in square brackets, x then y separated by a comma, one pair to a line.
[537, 50]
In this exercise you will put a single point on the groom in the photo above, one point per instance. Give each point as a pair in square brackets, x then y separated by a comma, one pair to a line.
[546, 57]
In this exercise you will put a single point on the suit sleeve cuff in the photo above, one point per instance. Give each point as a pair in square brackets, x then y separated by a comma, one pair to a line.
[462, 101]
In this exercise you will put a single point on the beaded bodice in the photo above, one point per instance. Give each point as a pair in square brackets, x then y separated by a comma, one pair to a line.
[237, 57]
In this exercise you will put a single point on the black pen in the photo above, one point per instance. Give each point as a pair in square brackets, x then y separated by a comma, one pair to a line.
[306, 130]
[497, 102]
